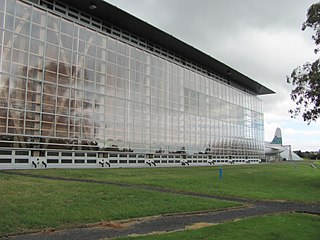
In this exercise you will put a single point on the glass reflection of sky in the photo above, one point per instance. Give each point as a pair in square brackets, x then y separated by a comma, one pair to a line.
[61, 80]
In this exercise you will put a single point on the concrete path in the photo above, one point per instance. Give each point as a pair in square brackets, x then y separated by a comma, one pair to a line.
[164, 223]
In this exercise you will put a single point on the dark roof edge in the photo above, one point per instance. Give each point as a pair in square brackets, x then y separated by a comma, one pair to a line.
[111, 14]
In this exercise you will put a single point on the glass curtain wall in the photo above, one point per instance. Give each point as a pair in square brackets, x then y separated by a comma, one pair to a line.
[63, 84]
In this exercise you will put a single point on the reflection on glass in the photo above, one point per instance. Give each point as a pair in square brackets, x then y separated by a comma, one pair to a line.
[81, 87]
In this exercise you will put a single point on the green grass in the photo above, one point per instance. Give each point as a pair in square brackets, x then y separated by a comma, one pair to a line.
[279, 227]
[29, 204]
[293, 182]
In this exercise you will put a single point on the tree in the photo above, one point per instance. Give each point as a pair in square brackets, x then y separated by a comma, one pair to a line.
[306, 78]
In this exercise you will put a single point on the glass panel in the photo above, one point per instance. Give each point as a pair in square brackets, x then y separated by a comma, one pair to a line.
[98, 88]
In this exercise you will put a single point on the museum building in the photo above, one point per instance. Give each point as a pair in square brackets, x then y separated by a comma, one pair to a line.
[85, 84]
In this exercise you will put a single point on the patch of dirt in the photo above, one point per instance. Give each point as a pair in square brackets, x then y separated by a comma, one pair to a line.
[198, 226]
[148, 234]
[113, 225]
[47, 231]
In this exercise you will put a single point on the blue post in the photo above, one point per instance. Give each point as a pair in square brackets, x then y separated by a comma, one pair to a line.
[220, 173]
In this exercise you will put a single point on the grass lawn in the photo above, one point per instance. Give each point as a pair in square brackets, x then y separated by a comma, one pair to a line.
[294, 182]
[28, 204]
[277, 227]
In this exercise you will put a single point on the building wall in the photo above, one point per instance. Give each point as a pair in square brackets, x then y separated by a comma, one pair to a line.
[65, 85]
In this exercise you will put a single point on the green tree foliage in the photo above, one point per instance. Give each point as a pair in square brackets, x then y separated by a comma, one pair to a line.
[306, 78]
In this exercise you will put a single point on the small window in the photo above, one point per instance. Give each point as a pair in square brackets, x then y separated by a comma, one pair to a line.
[21, 161]
[22, 152]
[5, 152]
[52, 161]
[52, 153]
[79, 161]
[114, 161]
[66, 161]
[66, 154]
[6, 160]
[90, 161]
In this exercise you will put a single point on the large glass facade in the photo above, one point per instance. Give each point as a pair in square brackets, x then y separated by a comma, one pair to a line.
[63, 84]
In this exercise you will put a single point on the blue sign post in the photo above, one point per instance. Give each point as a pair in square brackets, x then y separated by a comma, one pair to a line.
[220, 173]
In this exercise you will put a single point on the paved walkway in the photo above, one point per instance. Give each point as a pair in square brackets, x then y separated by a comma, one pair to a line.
[164, 223]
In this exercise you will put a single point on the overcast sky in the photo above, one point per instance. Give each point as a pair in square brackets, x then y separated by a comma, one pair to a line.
[261, 39]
